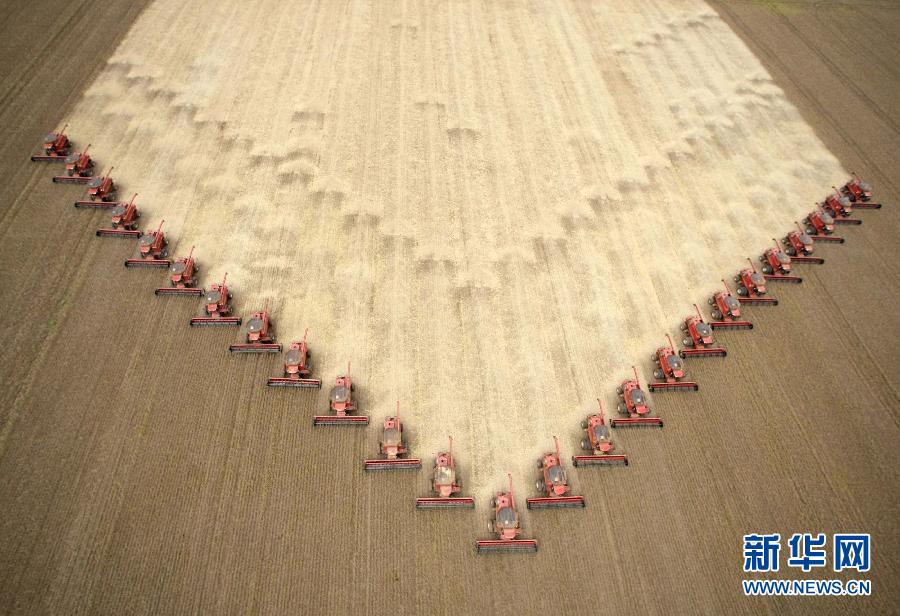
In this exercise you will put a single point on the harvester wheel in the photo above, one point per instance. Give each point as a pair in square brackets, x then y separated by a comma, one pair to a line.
[716, 315]
[742, 291]
[687, 342]
[737, 278]
[584, 424]
[710, 301]
[585, 444]
[541, 488]
[766, 269]
[619, 391]
[657, 374]
[621, 407]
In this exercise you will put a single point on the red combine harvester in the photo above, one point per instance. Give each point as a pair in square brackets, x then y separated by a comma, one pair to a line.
[777, 265]
[153, 247]
[633, 403]
[799, 245]
[859, 192]
[55, 147]
[392, 447]
[101, 193]
[505, 525]
[670, 371]
[840, 207]
[124, 221]
[260, 338]
[553, 484]
[699, 341]
[598, 441]
[444, 485]
[726, 311]
[79, 167]
[218, 308]
[820, 226]
[752, 287]
[297, 369]
[181, 278]
[341, 405]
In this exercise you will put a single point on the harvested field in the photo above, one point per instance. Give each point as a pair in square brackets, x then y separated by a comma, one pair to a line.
[458, 198]
[142, 469]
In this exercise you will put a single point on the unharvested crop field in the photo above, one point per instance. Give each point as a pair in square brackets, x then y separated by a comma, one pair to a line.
[493, 209]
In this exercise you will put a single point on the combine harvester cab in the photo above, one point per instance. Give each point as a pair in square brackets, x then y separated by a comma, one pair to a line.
[726, 311]
[553, 484]
[79, 167]
[752, 287]
[800, 246]
[444, 485]
[260, 338]
[153, 248]
[669, 372]
[860, 194]
[777, 265]
[633, 404]
[101, 193]
[820, 227]
[699, 341]
[341, 405]
[54, 147]
[123, 222]
[181, 278]
[598, 441]
[217, 307]
[506, 527]
[297, 369]
[392, 448]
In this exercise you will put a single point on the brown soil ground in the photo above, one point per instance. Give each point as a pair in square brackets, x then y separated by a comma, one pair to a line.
[131, 481]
